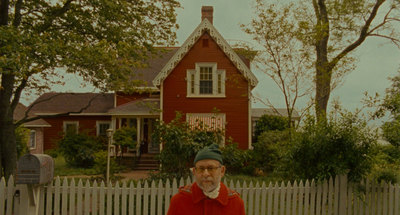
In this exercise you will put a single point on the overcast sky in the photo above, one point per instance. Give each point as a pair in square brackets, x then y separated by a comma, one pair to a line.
[377, 60]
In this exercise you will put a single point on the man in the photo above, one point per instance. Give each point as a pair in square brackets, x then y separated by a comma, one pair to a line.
[207, 195]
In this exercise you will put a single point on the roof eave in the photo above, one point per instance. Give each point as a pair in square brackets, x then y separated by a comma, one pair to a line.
[191, 40]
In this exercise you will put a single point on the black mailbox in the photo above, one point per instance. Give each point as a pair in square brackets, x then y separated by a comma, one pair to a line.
[35, 169]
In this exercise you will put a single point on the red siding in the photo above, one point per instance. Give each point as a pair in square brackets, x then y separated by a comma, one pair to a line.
[54, 133]
[234, 105]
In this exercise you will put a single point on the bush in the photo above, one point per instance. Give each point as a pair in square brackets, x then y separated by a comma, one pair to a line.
[21, 140]
[269, 150]
[236, 160]
[52, 152]
[100, 164]
[180, 145]
[78, 149]
[386, 164]
[125, 137]
[328, 148]
[269, 123]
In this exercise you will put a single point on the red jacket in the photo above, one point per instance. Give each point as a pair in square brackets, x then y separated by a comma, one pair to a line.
[191, 200]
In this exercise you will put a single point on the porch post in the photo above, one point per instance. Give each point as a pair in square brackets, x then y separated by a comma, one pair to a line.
[138, 132]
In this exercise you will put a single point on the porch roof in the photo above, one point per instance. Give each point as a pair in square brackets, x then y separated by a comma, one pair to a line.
[142, 107]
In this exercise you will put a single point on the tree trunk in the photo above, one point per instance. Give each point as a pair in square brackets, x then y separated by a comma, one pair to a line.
[8, 149]
[323, 91]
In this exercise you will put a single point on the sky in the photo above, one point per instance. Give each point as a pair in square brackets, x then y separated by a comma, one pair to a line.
[377, 59]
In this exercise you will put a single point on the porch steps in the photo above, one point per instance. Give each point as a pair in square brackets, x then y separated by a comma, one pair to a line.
[147, 161]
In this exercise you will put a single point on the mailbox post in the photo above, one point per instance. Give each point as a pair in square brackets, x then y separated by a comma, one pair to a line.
[33, 171]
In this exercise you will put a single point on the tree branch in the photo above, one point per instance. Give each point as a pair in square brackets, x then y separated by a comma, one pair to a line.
[56, 13]
[17, 16]
[4, 4]
[363, 35]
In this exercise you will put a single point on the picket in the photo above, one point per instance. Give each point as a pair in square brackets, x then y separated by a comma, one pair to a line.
[328, 197]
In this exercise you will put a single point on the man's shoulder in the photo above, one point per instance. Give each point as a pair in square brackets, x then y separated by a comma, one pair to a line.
[231, 193]
[186, 189]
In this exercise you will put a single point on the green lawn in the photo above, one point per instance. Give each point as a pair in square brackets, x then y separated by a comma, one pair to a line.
[61, 168]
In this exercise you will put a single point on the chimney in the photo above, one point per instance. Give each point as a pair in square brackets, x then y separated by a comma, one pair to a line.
[207, 13]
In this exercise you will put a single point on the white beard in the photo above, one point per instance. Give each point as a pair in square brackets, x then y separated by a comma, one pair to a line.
[213, 194]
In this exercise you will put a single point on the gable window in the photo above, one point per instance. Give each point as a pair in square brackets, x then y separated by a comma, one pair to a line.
[205, 81]
[71, 127]
[101, 127]
[32, 139]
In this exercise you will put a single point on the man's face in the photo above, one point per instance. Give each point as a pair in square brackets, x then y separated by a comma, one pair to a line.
[208, 174]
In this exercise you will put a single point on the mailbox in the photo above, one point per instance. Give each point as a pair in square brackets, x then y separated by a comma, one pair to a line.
[35, 169]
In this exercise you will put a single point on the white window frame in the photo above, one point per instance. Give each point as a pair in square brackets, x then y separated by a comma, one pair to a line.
[98, 123]
[65, 123]
[32, 140]
[190, 73]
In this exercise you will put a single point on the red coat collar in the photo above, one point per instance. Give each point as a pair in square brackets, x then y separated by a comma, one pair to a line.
[198, 194]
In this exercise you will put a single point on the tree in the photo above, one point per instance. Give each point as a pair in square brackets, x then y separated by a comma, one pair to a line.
[329, 31]
[100, 40]
[391, 102]
[277, 34]
[270, 123]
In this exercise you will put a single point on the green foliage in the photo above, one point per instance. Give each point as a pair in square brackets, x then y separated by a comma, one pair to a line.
[391, 132]
[270, 149]
[180, 145]
[100, 164]
[391, 103]
[52, 152]
[329, 148]
[78, 149]
[386, 165]
[236, 160]
[125, 137]
[269, 123]
[318, 36]
[98, 40]
[21, 139]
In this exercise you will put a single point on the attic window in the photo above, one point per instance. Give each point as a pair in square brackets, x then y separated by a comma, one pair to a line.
[205, 81]
[205, 42]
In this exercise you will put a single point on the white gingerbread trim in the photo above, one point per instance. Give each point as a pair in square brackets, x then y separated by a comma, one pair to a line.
[205, 25]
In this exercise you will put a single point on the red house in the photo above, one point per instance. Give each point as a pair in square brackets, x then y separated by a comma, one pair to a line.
[204, 79]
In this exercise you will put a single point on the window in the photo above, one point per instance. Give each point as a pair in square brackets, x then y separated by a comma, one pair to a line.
[101, 127]
[32, 140]
[71, 127]
[210, 121]
[205, 81]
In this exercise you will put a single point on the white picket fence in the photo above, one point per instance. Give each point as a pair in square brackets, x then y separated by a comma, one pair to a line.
[330, 197]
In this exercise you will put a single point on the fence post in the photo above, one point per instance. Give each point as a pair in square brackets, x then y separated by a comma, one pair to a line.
[342, 194]
[28, 199]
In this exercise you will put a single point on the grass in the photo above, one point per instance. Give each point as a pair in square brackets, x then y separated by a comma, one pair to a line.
[61, 168]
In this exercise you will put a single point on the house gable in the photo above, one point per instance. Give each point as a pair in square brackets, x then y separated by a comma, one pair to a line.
[205, 26]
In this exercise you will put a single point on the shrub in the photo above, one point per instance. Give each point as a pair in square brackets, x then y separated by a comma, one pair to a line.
[125, 137]
[21, 140]
[100, 164]
[386, 165]
[78, 149]
[391, 132]
[269, 150]
[328, 148]
[52, 152]
[180, 145]
[236, 160]
[269, 123]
